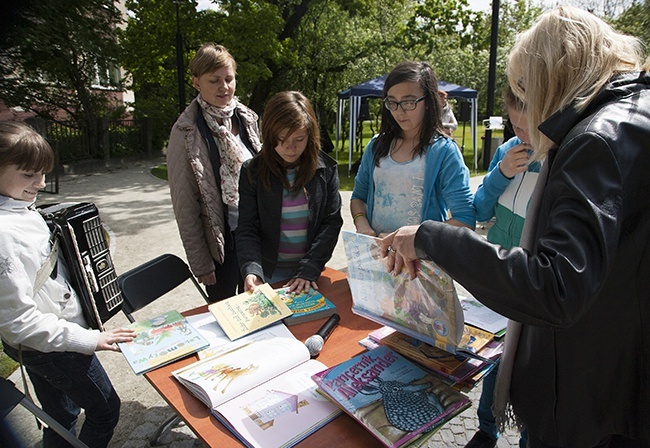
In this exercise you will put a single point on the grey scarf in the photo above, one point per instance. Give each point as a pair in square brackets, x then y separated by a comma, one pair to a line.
[502, 408]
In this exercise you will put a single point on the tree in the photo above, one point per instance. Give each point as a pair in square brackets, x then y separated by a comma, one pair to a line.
[148, 44]
[55, 56]
[635, 20]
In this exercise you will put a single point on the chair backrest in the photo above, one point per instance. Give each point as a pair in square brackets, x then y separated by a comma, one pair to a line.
[144, 284]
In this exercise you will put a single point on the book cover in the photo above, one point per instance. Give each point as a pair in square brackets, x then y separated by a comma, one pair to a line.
[161, 340]
[426, 308]
[262, 391]
[247, 312]
[391, 397]
[306, 306]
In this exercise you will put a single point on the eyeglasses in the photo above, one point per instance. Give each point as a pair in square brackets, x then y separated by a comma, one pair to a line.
[406, 105]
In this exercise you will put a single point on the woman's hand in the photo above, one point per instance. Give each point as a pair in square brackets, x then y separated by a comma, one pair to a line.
[208, 279]
[300, 285]
[399, 247]
[251, 282]
[108, 339]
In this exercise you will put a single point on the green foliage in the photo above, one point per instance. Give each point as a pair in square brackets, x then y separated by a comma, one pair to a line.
[635, 21]
[56, 54]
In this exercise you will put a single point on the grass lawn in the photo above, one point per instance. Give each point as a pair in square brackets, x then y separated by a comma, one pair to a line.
[342, 155]
[7, 365]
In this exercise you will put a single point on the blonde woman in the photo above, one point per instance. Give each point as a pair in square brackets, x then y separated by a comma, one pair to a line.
[577, 364]
[208, 144]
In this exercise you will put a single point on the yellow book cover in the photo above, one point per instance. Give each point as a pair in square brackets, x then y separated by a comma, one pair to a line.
[247, 312]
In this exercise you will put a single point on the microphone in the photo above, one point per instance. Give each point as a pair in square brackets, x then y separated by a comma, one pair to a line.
[315, 343]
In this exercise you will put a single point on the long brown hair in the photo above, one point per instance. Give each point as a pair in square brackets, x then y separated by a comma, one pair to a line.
[422, 74]
[287, 111]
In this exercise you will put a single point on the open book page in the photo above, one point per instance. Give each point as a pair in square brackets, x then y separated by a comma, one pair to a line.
[280, 412]
[207, 325]
[221, 377]
[481, 316]
[426, 308]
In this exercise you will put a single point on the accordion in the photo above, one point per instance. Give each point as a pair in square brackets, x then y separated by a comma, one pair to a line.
[84, 246]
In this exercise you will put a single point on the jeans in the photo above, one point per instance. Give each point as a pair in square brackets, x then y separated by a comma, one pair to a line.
[64, 382]
[280, 274]
[486, 420]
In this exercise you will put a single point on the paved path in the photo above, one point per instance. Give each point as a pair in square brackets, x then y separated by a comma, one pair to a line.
[136, 207]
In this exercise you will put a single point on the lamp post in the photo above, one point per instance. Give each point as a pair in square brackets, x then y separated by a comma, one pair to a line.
[179, 61]
[492, 70]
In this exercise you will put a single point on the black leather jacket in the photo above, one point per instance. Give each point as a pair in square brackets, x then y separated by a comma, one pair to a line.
[582, 369]
[260, 212]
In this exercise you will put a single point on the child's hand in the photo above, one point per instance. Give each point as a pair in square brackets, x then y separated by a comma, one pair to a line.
[300, 285]
[108, 339]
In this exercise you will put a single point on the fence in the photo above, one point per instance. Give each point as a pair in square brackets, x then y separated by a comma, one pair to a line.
[115, 138]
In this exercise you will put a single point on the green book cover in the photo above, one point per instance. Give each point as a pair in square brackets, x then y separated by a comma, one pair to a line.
[306, 306]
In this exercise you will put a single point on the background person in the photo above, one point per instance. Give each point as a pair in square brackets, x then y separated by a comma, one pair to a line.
[576, 367]
[410, 171]
[290, 206]
[504, 193]
[449, 122]
[41, 322]
[207, 146]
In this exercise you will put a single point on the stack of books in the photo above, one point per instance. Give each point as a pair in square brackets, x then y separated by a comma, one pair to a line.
[395, 400]
[431, 323]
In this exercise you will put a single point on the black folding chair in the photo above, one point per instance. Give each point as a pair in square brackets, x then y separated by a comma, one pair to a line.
[10, 397]
[146, 283]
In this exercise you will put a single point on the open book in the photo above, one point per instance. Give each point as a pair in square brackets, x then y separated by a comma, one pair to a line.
[394, 399]
[426, 308]
[262, 391]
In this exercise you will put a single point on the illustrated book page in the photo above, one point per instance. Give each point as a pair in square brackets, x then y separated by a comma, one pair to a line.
[391, 397]
[306, 306]
[218, 378]
[208, 326]
[281, 412]
[247, 312]
[481, 316]
[161, 340]
[426, 308]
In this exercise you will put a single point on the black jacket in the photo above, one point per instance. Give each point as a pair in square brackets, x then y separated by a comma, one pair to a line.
[582, 369]
[260, 211]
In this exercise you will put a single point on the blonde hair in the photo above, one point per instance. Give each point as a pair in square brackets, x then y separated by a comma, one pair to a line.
[210, 58]
[564, 60]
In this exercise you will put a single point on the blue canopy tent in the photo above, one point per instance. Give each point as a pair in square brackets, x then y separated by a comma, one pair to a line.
[374, 88]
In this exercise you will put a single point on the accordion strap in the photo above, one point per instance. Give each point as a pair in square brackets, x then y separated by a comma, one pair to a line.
[47, 267]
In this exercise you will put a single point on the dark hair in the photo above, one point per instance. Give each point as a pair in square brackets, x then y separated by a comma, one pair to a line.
[23, 146]
[288, 111]
[422, 74]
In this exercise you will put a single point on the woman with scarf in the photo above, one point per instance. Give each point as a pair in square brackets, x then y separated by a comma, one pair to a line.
[208, 144]
[576, 367]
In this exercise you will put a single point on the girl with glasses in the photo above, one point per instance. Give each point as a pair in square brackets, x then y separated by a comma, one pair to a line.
[411, 171]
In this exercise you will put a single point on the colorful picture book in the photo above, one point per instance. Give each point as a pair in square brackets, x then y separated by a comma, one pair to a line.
[393, 398]
[161, 340]
[426, 308]
[248, 312]
[306, 306]
[262, 391]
